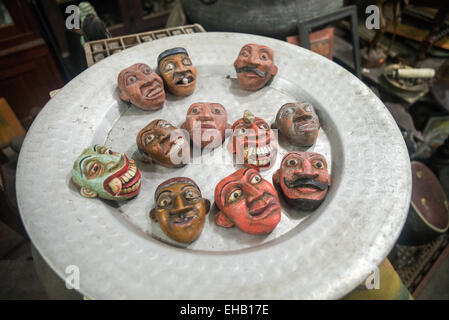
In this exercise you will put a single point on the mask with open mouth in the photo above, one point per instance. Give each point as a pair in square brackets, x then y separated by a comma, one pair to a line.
[255, 66]
[247, 201]
[253, 142]
[303, 179]
[180, 209]
[178, 71]
[141, 86]
[206, 123]
[98, 171]
[164, 144]
[298, 123]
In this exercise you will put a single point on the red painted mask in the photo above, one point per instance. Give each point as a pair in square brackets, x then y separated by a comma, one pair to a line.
[142, 87]
[206, 123]
[255, 66]
[303, 179]
[247, 201]
[254, 142]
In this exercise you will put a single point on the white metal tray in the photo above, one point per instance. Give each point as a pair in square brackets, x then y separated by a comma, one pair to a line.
[121, 253]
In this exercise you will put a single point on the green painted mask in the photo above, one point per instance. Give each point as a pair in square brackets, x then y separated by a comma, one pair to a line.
[98, 171]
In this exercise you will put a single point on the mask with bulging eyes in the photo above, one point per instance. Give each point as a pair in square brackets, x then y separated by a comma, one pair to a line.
[206, 123]
[298, 123]
[180, 209]
[247, 201]
[100, 172]
[164, 144]
[141, 86]
[178, 71]
[254, 143]
[303, 179]
[255, 66]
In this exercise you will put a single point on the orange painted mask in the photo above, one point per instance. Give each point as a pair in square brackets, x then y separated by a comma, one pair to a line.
[180, 209]
[141, 86]
[303, 179]
[247, 201]
[178, 71]
[255, 66]
[206, 123]
[254, 142]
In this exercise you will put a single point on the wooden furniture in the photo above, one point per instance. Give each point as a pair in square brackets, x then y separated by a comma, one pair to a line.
[27, 69]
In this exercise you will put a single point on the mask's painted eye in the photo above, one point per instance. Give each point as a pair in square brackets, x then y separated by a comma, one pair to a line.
[186, 62]
[235, 195]
[217, 111]
[292, 162]
[263, 126]
[256, 179]
[308, 108]
[264, 56]
[240, 131]
[166, 125]
[318, 164]
[95, 169]
[147, 70]
[169, 67]
[245, 54]
[108, 151]
[164, 202]
[149, 138]
[131, 80]
[194, 110]
[191, 195]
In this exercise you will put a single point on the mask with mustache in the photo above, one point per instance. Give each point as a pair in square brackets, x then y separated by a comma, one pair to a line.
[303, 179]
[255, 66]
[142, 87]
[178, 71]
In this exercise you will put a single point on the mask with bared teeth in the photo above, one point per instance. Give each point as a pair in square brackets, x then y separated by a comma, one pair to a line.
[141, 86]
[254, 143]
[100, 172]
[298, 123]
[178, 71]
[247, 201]
[163, 143]
[180, 209]
[303, 179]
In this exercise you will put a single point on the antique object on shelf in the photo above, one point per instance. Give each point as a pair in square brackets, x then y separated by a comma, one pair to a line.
[142, 87]
[321, 42]
[440, 86]
[180, 209]
[93, 28]
[247, 201]
[178, 71]
[164, 144]
[206, 123]
[303, 179]
[100, 49]
[428, 216]
[254, 143]
[100, 172]
[407, 78]
[255, 66]
[298, 123]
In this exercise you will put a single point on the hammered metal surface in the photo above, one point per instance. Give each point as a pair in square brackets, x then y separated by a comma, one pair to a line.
[121, 254]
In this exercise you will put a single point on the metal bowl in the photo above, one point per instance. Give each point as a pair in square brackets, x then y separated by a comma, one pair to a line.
[120, 253]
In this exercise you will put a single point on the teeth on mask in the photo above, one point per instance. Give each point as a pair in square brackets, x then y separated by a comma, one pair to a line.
[185, 81]
[115, 185]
